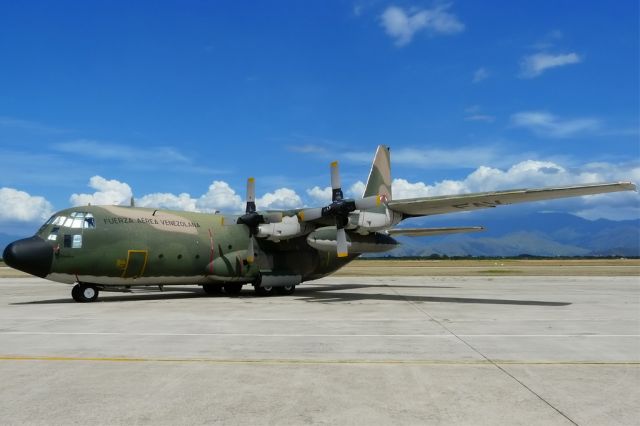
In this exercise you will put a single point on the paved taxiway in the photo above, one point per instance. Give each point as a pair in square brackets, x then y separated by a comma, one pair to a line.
[342, 350]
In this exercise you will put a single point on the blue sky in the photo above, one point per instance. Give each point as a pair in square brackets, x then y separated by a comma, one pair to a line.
[179, 102]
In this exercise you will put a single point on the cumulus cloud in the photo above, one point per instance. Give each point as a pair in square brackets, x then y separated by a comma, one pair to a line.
[621, 206]
[534, 174]
[220, 196]
[169, 201]
[282, 198]
[534, 65]
[108, 192]
[320, 195]
[403, 24]
[20, 206]
[401, 188]
[546, 124]
[357, 189]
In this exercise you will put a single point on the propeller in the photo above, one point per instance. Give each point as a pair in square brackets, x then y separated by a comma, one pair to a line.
[339, 209]
[251, 218]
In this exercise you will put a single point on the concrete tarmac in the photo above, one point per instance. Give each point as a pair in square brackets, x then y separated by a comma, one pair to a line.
[342, 350]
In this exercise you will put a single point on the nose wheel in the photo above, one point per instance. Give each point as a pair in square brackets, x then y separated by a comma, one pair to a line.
[84, 293]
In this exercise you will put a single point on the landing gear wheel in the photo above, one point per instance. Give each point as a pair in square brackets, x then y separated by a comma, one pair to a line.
[286, 290]
[75, 293]
[212, 289]
[264, 291]
[233, 289]
[84, 293]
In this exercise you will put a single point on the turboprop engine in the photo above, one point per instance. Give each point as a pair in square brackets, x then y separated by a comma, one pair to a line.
[325, 239]
[364, 222]
[288, 227]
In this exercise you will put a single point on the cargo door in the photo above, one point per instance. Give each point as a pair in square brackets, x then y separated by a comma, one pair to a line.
[136, 263]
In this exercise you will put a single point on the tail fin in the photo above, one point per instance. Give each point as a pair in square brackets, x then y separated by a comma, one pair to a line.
[379, 181]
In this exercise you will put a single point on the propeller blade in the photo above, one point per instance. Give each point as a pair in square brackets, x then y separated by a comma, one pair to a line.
[251, 195]
[310, 214]
[250, 251]
[341, 240]
[336, 186]
[368, 202]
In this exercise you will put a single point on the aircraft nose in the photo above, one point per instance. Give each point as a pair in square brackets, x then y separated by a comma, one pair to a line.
[32, 255]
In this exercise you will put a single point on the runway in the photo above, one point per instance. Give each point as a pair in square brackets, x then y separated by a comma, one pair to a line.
[342, 350]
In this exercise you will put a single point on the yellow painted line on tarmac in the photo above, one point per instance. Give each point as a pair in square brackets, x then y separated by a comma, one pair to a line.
[310, 361]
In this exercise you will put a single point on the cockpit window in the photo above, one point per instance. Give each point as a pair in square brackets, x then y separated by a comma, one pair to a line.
[89, 221]
[76, 220]
[59, 220]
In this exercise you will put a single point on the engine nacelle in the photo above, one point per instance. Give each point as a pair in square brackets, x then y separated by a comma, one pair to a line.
[289, 227]
[364, 222]
[324, 239]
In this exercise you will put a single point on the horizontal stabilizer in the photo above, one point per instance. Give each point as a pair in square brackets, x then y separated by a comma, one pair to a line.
[464, 202]
[425, 232]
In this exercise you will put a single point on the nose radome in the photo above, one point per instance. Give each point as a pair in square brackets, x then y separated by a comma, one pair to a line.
[32, 255]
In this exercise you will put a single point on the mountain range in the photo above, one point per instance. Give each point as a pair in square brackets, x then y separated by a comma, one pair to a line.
[537, 234]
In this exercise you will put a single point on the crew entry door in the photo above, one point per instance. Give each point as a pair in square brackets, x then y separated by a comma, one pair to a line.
[136, 263]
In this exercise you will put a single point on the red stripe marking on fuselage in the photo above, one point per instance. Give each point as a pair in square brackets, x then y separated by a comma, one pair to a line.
[211, 251]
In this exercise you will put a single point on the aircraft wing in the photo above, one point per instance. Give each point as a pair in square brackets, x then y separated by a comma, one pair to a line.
[424, 232]
[427, 206]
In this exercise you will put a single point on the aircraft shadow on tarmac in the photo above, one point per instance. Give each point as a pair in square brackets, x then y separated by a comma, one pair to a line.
[320, 296]
[315, 294]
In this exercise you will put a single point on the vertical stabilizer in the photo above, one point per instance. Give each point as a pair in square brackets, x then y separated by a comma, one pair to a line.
[379, 181]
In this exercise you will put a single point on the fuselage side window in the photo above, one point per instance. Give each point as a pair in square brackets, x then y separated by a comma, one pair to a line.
[53, 236]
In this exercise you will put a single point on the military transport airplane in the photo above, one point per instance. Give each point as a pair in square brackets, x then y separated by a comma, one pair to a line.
[115, 248]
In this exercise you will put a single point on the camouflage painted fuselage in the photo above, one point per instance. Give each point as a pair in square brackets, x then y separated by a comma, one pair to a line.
[128, 246]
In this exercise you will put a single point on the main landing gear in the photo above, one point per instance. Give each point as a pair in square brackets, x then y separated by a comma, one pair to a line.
[269, 290]
[230, 289]
[84, 293]
[234, 289]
